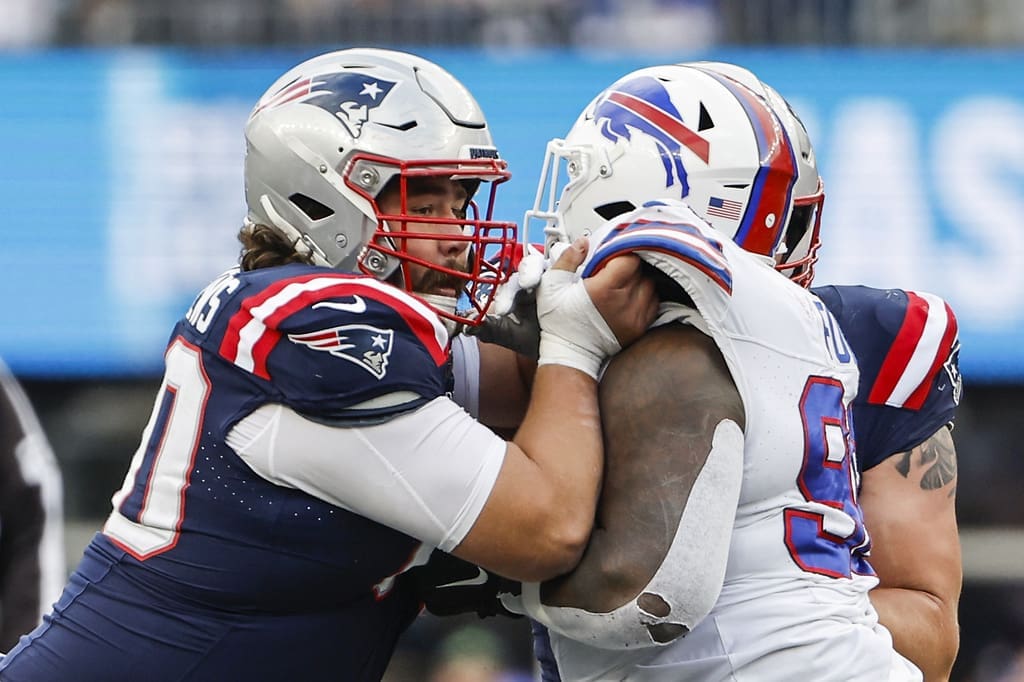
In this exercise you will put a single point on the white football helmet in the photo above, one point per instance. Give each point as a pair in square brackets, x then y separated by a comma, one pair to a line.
[802, 239]
[673, 132]
[330, 134]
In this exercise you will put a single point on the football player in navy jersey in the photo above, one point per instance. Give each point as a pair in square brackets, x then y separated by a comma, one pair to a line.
[906, 345]
[303, 452]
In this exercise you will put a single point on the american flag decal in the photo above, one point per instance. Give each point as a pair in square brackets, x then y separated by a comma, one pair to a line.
[725, 208]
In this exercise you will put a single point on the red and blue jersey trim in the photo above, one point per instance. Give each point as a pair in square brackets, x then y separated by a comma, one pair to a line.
[253, 331]
[923, 343]
[682, 241]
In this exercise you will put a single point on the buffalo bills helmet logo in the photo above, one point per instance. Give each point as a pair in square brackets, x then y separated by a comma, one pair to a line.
[643, 105]
[349, 95]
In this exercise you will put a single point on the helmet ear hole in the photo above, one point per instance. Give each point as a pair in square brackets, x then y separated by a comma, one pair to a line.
[613, 209]
[313, 209]
[798, 225]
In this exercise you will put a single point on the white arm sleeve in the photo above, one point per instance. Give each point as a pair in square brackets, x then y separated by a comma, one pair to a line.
[689, 580]
[427, 473]
[466, 372]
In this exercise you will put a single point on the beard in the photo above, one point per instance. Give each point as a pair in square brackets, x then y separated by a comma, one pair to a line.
[434, 281]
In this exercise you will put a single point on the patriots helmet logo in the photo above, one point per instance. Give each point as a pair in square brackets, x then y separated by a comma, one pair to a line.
[349, 95]
[362, 344]
[643, 105]
[952, 367]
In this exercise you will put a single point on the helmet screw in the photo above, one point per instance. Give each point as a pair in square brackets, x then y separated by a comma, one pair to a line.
[368, 177]
[769, 220]
[603, 171]
[341, 240]
[572, 168]
[375, 262]
[323, 167]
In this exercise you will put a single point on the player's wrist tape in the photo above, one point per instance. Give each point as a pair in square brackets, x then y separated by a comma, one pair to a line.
[573, 333]
[558, 351]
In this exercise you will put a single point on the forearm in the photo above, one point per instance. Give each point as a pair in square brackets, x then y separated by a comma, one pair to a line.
[924, 628]
[561, 434]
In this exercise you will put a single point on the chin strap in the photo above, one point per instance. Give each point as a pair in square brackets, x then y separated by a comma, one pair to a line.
[447, 304]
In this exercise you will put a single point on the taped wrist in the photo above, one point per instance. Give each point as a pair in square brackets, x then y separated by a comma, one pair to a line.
[572, 331]
[686, 585]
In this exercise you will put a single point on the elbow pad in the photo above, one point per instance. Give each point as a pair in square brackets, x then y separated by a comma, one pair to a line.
[689, 580]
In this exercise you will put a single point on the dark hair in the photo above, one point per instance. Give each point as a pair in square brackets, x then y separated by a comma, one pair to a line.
[265, 247]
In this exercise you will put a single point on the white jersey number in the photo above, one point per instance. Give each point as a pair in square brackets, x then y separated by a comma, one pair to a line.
[149, 507]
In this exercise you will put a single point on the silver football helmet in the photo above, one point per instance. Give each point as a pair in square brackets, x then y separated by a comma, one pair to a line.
[330, 134]
[673, 131]
[802, 239]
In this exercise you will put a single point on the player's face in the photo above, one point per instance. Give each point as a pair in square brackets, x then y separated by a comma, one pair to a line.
[430, 198]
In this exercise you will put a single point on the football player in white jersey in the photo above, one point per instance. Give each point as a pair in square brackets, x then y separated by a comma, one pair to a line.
[737, 549]
[303, 452]
[907, 349]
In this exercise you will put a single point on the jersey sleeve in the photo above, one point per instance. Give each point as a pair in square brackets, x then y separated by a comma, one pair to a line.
[675, 241]
[332, 345]
[907, 347]
[427, 473]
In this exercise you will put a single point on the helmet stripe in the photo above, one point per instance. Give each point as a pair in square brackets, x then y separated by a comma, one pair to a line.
[775, 178]
[671, 126]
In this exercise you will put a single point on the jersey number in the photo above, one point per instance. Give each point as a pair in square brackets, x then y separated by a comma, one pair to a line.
[827, 536]
[150, 506]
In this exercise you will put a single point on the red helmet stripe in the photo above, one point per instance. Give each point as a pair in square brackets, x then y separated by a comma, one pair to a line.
[672, 126]
[772, 191]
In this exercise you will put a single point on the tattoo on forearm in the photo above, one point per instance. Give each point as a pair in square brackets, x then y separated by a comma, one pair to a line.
[938, 458]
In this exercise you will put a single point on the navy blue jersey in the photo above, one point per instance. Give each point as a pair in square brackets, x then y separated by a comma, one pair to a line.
[907, 349]
[205, 570]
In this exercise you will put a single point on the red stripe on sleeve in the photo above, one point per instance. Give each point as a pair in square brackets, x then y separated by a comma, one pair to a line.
[920, 394]
[901, 351]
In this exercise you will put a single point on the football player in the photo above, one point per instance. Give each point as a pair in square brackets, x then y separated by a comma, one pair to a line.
[907, 347]
[652, 135]
[302, 450]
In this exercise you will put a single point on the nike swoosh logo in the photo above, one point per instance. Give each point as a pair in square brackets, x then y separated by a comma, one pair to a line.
[479, 579]
[358, 305]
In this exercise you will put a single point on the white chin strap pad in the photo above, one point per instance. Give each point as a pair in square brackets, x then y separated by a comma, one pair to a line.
[689, 580]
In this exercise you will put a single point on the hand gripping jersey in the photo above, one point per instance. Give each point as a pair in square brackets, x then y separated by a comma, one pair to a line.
[907, 348]
[206, 570]
[794, 602]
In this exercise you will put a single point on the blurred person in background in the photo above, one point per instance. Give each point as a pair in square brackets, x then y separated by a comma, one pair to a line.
[32, 563]
[28, 24]
[473, 653]
[302, 451]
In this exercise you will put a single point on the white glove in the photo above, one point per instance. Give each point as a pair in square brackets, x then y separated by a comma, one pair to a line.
[525, 278]
[572, 331]
[512, 319]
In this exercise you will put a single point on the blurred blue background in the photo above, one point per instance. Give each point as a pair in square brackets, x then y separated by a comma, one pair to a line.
[121, 194]
[122, 185]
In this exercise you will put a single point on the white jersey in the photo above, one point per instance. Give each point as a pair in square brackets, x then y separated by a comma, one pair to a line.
[794, 603]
